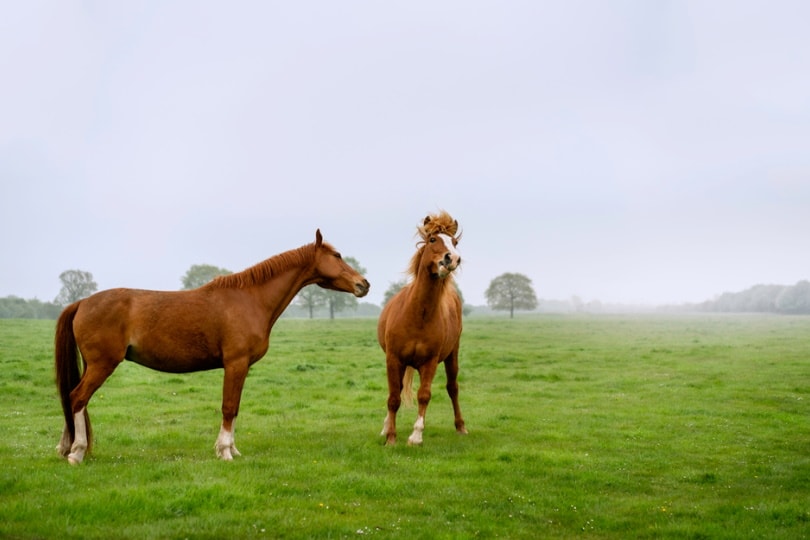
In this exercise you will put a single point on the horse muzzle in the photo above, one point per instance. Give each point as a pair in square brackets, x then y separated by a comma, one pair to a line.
[445, 270]
[448, 264]
[361, 289]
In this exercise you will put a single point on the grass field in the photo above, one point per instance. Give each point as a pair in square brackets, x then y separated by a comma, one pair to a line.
[580, 427]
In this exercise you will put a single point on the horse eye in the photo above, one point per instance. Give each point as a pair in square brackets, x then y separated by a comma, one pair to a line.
[338, 255]
[432, 239]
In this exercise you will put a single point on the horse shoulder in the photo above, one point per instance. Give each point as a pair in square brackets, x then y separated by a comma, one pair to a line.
[242, 322]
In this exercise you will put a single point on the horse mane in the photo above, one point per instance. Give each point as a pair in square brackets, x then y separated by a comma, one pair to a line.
[437, 224]
[263, 271]
[440, 223]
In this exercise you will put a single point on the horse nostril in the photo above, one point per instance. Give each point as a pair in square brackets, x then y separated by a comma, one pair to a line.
[447, 259]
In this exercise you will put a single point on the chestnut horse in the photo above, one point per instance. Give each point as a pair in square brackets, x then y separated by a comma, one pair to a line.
[223, 324]
[420, 326]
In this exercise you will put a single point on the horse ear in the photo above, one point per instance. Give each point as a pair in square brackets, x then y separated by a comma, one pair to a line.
[318, 238]
[427, 220]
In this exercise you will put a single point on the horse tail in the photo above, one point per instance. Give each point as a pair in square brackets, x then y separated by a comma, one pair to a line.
[67, 368]
[407, 386]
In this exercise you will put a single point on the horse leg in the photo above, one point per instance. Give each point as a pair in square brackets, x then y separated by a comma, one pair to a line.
[451, 369]
[426, 373]
[396, 371]
[96, 372]
[232, 385]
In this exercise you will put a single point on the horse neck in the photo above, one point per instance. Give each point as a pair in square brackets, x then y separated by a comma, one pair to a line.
[277, 292]
[426, 295]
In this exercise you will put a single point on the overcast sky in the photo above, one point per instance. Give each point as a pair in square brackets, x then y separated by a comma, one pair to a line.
[623, 151]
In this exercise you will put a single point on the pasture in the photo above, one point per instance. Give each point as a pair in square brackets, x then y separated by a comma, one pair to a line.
[579, 427]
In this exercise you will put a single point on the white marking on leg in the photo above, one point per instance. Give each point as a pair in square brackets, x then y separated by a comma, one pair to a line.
[80, 440]
[386, 424]
[224, 445]
[418, 428]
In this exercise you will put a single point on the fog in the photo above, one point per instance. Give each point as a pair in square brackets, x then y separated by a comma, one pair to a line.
[626, 152]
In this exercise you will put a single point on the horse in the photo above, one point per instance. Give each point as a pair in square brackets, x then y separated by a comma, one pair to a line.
[225, 323]
[420, 326]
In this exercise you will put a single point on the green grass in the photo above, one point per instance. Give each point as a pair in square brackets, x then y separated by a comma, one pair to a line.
[580, 426]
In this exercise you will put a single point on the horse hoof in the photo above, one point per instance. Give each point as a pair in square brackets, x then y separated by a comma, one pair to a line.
[462, 431]
[73, 461]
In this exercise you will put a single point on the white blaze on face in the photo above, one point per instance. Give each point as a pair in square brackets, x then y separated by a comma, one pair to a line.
[454, 254]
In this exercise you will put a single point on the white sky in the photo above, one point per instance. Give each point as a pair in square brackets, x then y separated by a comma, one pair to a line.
[627, 151]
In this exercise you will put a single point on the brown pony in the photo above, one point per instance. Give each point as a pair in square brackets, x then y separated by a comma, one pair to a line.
[223, 324]
[421, 326]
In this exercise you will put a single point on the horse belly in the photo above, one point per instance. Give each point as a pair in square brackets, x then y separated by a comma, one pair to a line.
[173, 359]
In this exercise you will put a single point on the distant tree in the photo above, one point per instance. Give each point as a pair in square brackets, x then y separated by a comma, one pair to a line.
[763, 299]
[310, 298]
[465, 309]
[340, 301]
[200, 274]
[509, 292]
[392, 290]
[795, 299]
[76, 284]
[14, 307]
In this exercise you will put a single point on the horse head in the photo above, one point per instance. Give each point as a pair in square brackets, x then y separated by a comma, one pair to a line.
[334, 273]
[439, 235]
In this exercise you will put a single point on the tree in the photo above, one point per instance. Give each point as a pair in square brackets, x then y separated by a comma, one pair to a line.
[76, 284]
[311, 297]
[340, 301]
[200, 274]
[465, 309]
[392, 290]
[795, 299]
[510, 292]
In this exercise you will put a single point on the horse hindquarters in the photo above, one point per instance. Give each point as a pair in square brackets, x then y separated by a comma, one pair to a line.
[75, 390]
[66, 364]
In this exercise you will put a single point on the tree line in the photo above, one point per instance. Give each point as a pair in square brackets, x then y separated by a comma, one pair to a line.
[508, 292]
[785, 299]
